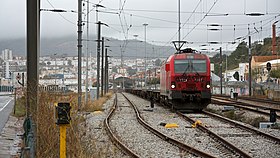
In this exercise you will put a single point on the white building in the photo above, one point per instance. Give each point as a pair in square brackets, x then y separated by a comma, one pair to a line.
[7, 54]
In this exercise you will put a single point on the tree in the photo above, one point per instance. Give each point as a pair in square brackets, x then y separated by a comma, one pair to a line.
[158, 62]
[239, 55]
[154, 81]
[69, 62]
[131, 71]
[1, 61]
[275, 73]
[114, 69]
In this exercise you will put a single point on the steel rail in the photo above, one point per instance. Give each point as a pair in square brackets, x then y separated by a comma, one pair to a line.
[227, 144]
[277, 140]
[165, 137]
[251, 99]
[115, 140]
[247, 104]
[243, 106]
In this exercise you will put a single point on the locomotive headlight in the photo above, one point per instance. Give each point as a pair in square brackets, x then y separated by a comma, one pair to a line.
[173, 84]
[208, 86]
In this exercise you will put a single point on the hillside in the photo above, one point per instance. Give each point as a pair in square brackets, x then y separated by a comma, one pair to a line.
[67, 45]
[240, 54]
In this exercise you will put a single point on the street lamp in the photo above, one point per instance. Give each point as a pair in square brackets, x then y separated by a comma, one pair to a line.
[103, 70]
[145, 28]
[136, 59]
[106, 80]
[99, 23]
[250, 66]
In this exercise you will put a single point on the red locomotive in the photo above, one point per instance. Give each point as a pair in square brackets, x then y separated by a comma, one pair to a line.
[185, 80]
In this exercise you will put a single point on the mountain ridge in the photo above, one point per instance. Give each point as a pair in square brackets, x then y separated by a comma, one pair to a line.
[67, 45]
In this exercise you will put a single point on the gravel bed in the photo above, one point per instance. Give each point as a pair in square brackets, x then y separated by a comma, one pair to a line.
[273, 132]
[95, 139]
[261, 104]
[258, 103]
[254, 145]
[248, 115]
[97, 143]
[138, 138]
[184, 133]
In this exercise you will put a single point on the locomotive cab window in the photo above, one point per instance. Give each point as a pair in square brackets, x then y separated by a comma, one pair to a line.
[190, 66]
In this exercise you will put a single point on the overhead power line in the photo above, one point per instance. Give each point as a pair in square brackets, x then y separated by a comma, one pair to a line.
[215, 2]
[61, 14]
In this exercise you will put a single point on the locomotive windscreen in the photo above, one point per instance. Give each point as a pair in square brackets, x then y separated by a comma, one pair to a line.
[190, 66]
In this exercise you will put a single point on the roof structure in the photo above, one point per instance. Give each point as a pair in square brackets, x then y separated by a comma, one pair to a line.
[275, 61]
[264, 58]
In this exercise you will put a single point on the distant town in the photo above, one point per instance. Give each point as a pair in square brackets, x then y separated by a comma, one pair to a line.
[61, 72]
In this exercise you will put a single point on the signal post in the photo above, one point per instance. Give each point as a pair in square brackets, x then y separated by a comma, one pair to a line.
[62, 114]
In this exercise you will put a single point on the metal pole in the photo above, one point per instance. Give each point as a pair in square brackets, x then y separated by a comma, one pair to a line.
[221, 77]
[102, 68]
[145, 27]
[64, 88]
[79, 53]
[86, 96]
[226, 79]
[15, 99]
[106, 71]
[122, 68]
[62, 141]
[250, 73]
[136, 61]
[55, 69]
[179, 21]
[274, 38]
[155, 78]
[33, 53]
[98, 58]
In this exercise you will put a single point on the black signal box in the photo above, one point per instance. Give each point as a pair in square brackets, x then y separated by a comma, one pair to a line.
[63, 113]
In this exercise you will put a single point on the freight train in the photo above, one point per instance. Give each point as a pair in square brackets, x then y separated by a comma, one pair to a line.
[185, 81]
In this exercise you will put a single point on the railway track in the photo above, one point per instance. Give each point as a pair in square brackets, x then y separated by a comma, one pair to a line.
[252, 99]
[265, 104]
[250, 140]
[253, 142]
[201, 139]
[145, 140]
[264, 110]
[240, 125]
[111, 134]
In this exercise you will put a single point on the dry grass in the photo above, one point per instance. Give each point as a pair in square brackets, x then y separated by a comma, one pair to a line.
[20, 109]
[255, 121]
[47, 132]
[97, 105]
[234, 115]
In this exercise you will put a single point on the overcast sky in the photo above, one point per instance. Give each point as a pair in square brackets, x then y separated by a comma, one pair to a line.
[160, 15]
